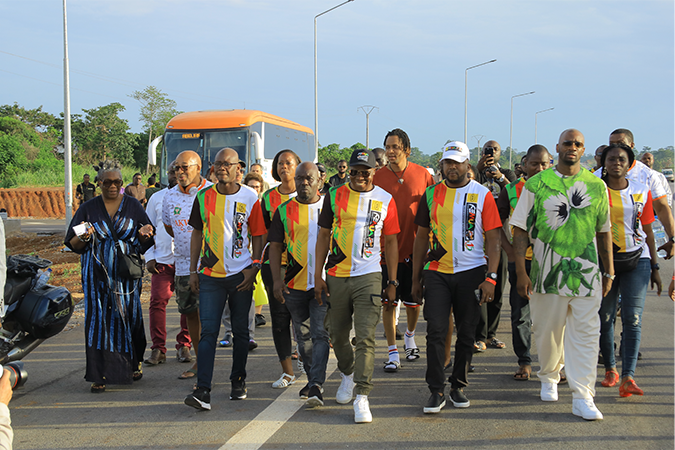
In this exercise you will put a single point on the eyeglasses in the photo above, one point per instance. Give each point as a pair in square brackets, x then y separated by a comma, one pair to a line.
[577, 144]
[363, 173]
[224, 164]
[184, 167]
[107, 183]
[342, 167]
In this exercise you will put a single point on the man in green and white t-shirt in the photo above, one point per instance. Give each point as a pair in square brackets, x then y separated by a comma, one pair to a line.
[565, 211]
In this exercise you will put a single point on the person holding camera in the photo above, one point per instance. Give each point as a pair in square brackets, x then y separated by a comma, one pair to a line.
[494, 177]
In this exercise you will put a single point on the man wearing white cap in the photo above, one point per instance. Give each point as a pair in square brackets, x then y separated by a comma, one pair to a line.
[458, 212]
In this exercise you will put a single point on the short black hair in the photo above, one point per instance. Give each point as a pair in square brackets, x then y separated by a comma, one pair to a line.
[537, 149]
[85, 175]
[625, 131]
[275, 174]
[402, 135]
[342, 161]
[137, 174]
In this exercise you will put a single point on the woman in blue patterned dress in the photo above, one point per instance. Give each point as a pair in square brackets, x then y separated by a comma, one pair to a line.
[114, 332]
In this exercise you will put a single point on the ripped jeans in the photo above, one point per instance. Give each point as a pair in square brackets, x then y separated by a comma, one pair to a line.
[633, 288]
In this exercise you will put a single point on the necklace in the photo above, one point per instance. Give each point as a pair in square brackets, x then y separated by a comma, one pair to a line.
[400, 179]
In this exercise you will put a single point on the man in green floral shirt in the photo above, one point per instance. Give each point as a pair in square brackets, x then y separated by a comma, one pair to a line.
[565, 211]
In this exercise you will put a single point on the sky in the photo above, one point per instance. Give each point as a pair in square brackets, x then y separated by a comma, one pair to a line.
[601, 65]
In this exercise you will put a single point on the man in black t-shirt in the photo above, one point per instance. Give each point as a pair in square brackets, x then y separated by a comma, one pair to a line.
[85, 191]
[341, 177]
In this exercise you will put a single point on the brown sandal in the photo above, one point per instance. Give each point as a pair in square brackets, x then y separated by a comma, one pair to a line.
[523, 373]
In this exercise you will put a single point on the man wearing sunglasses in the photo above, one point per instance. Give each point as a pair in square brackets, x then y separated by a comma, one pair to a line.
[176, 209]
[354, 218]
[341, 177]
[564, 211]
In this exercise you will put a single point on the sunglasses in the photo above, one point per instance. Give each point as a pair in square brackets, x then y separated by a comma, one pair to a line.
[184, 167]
[577, 144]
[363, 173]
[107, 183]
[224, 164]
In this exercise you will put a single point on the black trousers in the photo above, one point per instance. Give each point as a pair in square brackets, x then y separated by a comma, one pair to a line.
[442, 292]
[491, 312]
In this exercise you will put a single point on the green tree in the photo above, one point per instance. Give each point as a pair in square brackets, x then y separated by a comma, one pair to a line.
[101, 134]
[39, 120]
[156, 110]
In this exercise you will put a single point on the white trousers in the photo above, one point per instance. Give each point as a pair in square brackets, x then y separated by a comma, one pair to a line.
[570, 325]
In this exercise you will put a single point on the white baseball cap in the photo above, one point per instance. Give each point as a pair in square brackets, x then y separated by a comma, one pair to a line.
[456, 151]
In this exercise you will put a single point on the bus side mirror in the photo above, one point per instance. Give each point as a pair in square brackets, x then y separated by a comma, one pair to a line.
[258, 146]
[152, 150]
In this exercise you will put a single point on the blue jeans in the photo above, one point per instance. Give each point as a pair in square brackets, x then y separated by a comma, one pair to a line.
[213, 294]
[521, 324]
[308, 322]
[633, 288]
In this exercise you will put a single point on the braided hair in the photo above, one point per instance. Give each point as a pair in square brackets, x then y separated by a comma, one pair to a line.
[625, 148]
[403, 136]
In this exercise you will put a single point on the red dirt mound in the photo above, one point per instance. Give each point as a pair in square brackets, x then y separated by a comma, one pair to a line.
[39, 203]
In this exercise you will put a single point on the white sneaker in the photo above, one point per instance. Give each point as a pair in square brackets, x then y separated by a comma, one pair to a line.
[345, 392]
[549, 392]
[301, 367]
[283, 382]
[362, 410]
[585, 407]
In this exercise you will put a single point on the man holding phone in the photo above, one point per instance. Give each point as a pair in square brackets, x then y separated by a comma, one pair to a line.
[458, 212]
[495, 178]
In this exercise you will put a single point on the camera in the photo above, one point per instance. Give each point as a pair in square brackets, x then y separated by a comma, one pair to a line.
[492, 169]
[81, 228]
[17, 374]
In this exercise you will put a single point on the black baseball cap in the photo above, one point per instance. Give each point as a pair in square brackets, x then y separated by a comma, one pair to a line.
[363, 157]
[321, 167]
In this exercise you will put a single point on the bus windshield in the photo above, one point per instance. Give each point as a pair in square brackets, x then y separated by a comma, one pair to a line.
[205, 143]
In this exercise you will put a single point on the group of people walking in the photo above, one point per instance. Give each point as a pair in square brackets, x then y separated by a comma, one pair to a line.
[385, 234]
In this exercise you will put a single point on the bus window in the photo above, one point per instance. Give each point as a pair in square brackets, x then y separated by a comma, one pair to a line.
[280, 138]
[216, 140]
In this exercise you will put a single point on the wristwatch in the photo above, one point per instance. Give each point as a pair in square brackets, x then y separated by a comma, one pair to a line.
[257, 265]
[656, 266]
[492, 276]
[395, 283]
[611, 277]
[501, 180]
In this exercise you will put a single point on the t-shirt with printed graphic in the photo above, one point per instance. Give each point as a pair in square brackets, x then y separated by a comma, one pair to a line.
[357, 221]
[176, 210]
[226, 220]
[458, 218]
[562, 215]
[269, 203]
[296, 225]
[629, 209]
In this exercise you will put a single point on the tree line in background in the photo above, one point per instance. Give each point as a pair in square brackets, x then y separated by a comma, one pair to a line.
[31, 142]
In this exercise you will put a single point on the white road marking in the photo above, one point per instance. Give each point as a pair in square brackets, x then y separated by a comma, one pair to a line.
[272, 418]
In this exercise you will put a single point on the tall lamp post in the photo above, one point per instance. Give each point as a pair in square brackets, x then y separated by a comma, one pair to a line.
[511, 126]
[535, 122]
[316, 90]
[369, 109]
[67, 149]
[466, 88]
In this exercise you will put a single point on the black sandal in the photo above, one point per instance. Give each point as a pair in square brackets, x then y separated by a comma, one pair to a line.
[97, 388]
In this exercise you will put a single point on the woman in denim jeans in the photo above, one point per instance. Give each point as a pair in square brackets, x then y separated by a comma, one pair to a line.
[631, 215]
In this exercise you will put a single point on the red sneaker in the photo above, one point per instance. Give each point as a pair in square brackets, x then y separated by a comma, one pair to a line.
[629, 388]
[611, 378]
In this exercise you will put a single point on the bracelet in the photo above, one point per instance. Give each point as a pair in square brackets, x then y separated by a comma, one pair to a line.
[606, 275]
[84, 240]
[491, 281]
[196, 272]
[257, 261]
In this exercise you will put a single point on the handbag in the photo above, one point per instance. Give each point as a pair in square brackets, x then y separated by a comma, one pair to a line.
[129, 265]
[626, 261]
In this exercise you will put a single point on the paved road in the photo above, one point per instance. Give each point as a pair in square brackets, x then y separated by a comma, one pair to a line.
[43, 225]
[56, 409]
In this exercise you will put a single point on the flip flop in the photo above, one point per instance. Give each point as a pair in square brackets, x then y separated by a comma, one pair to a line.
[496, 343]
[190, 373]
[523, 373]
[479, 347]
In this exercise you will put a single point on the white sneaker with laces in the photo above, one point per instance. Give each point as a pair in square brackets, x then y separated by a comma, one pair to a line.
[585, 407]
[549, 392]
[345, 391]
[283, 382]
[362, 410]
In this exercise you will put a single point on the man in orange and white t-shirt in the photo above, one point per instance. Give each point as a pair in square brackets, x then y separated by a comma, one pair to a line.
[353, 220]
[463, 219]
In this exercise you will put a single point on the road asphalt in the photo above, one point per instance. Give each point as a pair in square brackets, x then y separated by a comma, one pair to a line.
[55, 409]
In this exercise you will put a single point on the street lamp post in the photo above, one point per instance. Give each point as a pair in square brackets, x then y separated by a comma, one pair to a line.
[535, 122]
[67, 146]
[511, 126]
[466, 88]
[316, 90]
[370, 109]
